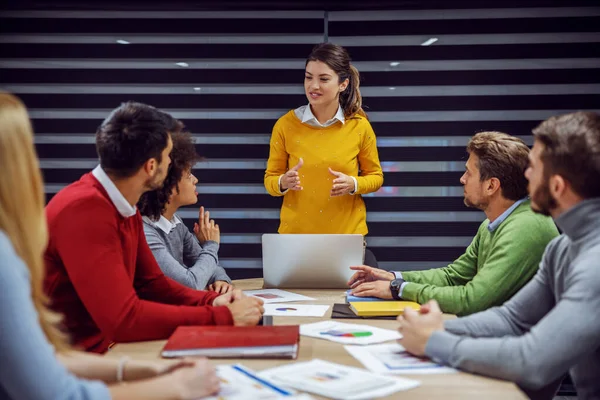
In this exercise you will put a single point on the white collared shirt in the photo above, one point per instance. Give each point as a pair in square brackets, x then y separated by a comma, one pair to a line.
[306, 115]
[117, 198]
[164, 224]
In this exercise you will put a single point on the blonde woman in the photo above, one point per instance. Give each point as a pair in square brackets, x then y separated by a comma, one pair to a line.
[36, 361]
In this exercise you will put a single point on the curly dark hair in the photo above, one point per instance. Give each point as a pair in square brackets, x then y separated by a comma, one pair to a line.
[183, 157]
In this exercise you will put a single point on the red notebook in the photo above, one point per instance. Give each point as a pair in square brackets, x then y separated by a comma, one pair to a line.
[234, 342]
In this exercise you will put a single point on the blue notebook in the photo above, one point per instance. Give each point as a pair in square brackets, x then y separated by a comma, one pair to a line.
[350, 298]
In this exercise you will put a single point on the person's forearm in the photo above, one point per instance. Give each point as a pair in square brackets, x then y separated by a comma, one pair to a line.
[221, 275]
[436, 277]
[461, 271]
[96, 367]
[156, 286]
[514, 318]
[90, 366]
[155, 389]
[459, 300]
[369, 183]
[206, 265]
[489, 323]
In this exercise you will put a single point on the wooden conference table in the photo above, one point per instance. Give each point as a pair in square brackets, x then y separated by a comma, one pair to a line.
[444, 386]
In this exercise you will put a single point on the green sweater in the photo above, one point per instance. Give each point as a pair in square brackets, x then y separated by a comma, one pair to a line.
[493, 268]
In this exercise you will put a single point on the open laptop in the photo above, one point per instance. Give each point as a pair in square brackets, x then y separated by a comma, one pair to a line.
[310, 261]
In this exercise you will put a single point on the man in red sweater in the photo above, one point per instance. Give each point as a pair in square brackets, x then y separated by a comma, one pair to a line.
[101, 273]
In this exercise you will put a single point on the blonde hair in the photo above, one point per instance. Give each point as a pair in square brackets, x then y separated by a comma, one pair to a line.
[22, 206]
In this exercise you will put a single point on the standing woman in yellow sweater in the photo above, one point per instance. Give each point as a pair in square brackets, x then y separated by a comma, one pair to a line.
[323, 155]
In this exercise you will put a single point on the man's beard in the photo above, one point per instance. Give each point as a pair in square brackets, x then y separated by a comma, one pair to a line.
[156, 182]
[542, 201]
[479, 206]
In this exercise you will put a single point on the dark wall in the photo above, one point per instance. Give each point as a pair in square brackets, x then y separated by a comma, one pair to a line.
[489, 69]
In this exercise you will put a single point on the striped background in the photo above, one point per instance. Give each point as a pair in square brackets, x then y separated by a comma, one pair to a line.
[487, 69]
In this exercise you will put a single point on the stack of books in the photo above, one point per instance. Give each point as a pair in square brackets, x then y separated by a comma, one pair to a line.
[376, 307]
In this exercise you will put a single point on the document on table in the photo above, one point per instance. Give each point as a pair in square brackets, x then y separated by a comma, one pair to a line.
[276, 295]
[241, 383]
[392, 358]
[295, 310]
[336, 381]
[348, 333]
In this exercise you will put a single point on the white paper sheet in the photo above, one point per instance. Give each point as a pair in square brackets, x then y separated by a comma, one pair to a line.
[337, 381]
[348, 333]
[392, 358]
[295, 310]
[276, 295]
[241, 383]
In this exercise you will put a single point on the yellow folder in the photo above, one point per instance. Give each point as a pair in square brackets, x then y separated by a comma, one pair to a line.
[381, 308]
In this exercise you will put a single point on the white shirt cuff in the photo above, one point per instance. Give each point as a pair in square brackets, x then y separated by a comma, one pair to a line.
[355, 185]
[397, 274]
[402, 289]
[279, 185]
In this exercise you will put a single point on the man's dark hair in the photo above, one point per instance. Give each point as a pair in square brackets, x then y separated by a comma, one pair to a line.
[572, 150]
[503, 157]
[183, 157]
[132, 134]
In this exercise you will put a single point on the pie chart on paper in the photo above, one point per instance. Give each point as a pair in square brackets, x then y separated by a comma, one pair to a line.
[347, 333]
[296, 310]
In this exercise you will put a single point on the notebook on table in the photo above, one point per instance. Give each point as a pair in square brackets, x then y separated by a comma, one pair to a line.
[350, 298]
[343, 311]
[382, 308]
[234, 342]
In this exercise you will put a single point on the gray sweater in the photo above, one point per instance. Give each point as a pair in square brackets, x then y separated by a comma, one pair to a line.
[549, 327]
[29, 369]
[181, 257]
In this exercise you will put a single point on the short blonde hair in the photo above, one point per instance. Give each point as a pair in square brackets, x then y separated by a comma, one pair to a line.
[22, 201]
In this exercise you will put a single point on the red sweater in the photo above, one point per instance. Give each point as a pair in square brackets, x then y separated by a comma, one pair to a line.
[103, 277]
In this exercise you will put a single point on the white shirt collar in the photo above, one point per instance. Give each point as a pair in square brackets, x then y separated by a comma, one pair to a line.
[117, 198]
[309, 117]
[164, 224]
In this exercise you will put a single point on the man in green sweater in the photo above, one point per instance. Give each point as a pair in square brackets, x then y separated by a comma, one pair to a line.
[503, 256]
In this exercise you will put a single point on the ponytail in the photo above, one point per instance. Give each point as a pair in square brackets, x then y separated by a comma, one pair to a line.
[338, 59]
[350, 99]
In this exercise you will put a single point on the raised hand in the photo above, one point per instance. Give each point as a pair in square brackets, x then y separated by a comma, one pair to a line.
[342, 184]
[291, 179]
[206, 229]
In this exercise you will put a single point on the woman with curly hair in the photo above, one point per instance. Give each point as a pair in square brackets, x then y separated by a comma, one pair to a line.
[191, 261]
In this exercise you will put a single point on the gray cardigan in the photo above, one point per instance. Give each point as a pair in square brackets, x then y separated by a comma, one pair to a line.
[549, 327]
[29, 369]
[181, 257]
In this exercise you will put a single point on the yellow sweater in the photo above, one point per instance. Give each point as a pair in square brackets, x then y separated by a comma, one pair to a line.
[345, 148]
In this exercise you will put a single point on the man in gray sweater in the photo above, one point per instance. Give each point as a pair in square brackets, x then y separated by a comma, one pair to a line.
[552, 325]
